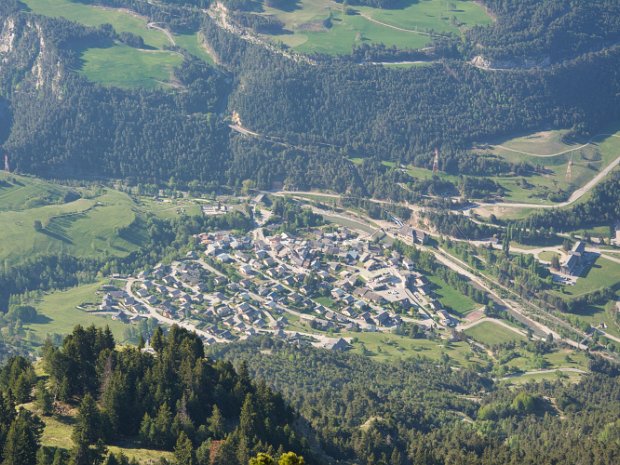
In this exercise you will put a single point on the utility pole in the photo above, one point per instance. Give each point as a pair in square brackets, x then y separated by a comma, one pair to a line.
[569, 170]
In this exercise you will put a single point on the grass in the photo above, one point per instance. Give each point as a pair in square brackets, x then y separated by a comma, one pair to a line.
[87, 227]
[347, 223]
[325, 301]
[169, 210]
[548, 255]
[120, 65]
[391, 347]
[458, 303]
[130, 68]
[490, 334]
[539, 377]
[58, 430]
[58, 313]
[594, 315]
[307, 33]
[102, 223]
[587, 162]
[602, 274]
[21, 193]
[193, 44]
[89, 15]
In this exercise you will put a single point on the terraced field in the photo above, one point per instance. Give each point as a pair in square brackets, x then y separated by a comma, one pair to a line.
[86, 227]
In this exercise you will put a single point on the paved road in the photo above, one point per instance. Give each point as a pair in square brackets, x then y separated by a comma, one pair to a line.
[169, 321]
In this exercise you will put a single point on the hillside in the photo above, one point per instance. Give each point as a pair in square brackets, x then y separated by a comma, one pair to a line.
[311, 112]
[167, 401]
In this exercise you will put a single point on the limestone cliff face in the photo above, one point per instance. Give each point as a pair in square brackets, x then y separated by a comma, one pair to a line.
[28, 63]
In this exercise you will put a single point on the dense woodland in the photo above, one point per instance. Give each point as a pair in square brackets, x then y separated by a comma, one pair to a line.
[326, 112]
[412, 412]
[333, 407]
[170, 398]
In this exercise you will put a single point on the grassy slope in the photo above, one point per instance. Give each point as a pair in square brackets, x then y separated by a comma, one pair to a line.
[121, 65]
[308, 35]
[384, 347]
[87, 227]
[587, 162]
[59, 428]
[59, 315]
[17, 193]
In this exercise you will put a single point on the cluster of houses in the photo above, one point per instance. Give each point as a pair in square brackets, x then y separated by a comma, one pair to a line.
[289, 285]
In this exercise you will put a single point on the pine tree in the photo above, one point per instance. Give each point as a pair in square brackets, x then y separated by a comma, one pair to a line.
[23, 440]
[44, 399]
[157, 340]
[88, 428]
[216, 423]
[183, 451]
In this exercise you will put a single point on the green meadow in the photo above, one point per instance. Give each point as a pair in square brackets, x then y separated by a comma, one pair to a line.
[391, 347]
[127, 67]
[490, 333]
[86, 227]
[406, 27]
[58, 312]
[552, 154]
[120, 65]
[456, 302]
[602, 274]
[92, 222]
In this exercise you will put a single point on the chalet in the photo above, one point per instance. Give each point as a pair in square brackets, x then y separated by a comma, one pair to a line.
[420, 237]
[224, 258]
[219, 280]
[339, 345]
[338, 293]
[383, 319]
[446, 318]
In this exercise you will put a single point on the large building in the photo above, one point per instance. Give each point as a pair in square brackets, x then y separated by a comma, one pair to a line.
[575, 261]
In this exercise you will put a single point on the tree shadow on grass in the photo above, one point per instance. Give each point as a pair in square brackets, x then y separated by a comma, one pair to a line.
[56, 235]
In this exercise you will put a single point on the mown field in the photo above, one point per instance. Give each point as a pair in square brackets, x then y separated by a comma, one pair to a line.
[452, 299]
[547, 150]
[490, 333]
[120, 65]
[307, 30]
[123, 66]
